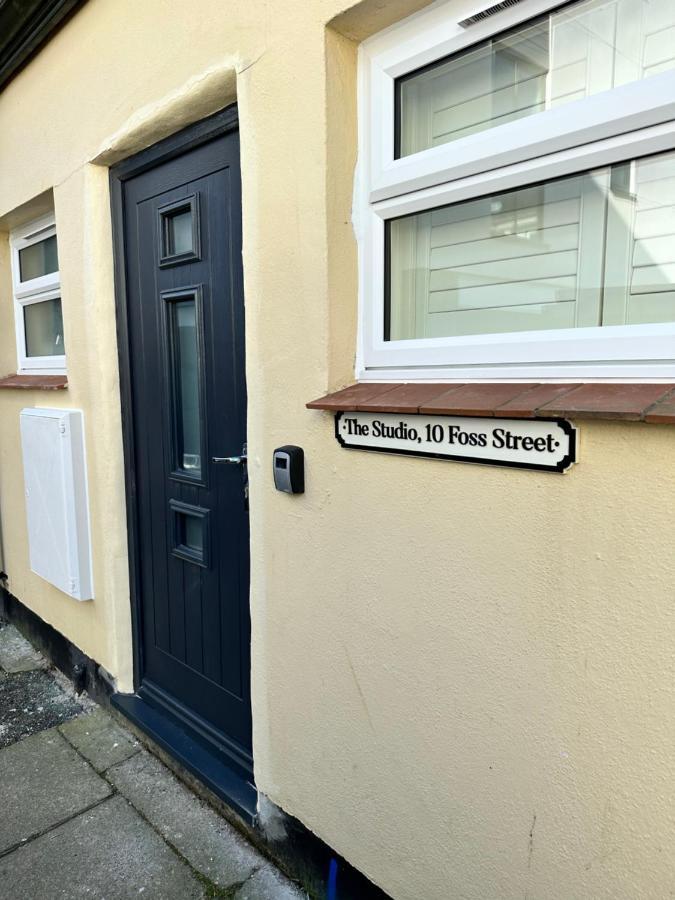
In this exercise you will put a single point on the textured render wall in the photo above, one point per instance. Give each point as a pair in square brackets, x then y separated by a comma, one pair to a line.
[483, 648]
[101, 627]
[462, 676]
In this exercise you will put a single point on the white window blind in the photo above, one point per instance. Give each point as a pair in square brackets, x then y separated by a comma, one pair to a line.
[572, 53]
[640, 270]
[588, 250]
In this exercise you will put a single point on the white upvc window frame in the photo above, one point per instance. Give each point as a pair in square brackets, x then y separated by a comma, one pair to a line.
[634, 120]
[34, 290]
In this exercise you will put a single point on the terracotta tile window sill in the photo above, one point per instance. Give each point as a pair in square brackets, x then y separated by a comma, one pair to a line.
[35, 382]
[628, 401]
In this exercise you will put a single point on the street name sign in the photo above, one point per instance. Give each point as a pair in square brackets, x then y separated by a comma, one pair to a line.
[549, 445]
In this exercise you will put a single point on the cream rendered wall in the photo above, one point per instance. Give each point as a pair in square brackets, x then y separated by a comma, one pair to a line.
[462, 676]
[102, 627]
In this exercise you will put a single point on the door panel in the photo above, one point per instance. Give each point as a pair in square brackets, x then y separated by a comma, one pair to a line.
[185, 310]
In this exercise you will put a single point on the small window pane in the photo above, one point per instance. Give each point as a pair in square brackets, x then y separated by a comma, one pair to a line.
[573, 53]
[43, 325]
[193, 533]
[186, 385]
[588, 250]
[179, 233]
[190, 532]
[38, 259]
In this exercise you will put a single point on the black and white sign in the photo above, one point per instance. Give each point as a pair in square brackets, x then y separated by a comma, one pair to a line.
[545, 444]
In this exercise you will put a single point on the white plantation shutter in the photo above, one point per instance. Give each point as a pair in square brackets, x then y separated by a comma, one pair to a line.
[526, 260]
[641, 245]
[492, 85]
[571, 54]
[595, 249]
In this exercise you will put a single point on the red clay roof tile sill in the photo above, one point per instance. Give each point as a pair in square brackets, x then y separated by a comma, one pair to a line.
[35, 382]
[635, 402]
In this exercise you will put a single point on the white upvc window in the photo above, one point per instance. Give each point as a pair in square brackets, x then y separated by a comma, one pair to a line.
[37, 298]
[515, 199]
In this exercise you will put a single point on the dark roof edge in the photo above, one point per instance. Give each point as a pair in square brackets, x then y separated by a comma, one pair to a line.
[25, 29]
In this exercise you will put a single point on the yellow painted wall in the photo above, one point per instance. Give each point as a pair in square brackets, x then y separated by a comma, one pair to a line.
[462, 676]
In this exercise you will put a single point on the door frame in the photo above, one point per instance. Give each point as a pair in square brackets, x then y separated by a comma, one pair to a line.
[201, 132]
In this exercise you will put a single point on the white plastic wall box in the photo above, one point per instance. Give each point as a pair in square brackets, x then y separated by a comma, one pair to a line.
[57, 507]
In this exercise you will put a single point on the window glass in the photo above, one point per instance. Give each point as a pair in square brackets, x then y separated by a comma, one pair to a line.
[190, 532]
[186, 385]
[179, 233]
[592, 249]
[576, 51]
[43, 325]
[38, 259]
[193, 536]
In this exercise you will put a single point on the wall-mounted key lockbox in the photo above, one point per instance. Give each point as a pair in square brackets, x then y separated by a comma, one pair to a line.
[289, 469]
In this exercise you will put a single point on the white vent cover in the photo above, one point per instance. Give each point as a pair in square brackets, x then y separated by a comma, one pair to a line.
[57, 509]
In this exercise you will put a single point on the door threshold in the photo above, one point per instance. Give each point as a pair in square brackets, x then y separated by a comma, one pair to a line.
[211, 768]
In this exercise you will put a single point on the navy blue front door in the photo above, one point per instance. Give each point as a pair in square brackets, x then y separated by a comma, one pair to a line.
[185, 313]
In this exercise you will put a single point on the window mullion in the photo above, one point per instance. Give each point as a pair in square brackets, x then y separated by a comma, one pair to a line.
[592, 225]
[618, 249]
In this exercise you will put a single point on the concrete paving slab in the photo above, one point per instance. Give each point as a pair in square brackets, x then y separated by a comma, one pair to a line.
[209, 843]
[269, 884]
[43, 782]
[100, 740]
[16, 653]
[108, 853]
[31, 702]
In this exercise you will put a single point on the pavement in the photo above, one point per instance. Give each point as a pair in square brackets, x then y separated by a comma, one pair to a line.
[87, 812]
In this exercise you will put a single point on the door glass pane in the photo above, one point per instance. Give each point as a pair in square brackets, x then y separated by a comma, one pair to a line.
[38, 259]
[43, 326]
[186, 386]
[574, 52]
[587, 250]
[179, 237]
[193, 536]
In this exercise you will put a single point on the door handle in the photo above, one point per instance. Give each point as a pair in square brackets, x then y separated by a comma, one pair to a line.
[233, 460]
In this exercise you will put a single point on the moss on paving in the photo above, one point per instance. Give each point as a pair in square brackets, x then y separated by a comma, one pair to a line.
[212, 891]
